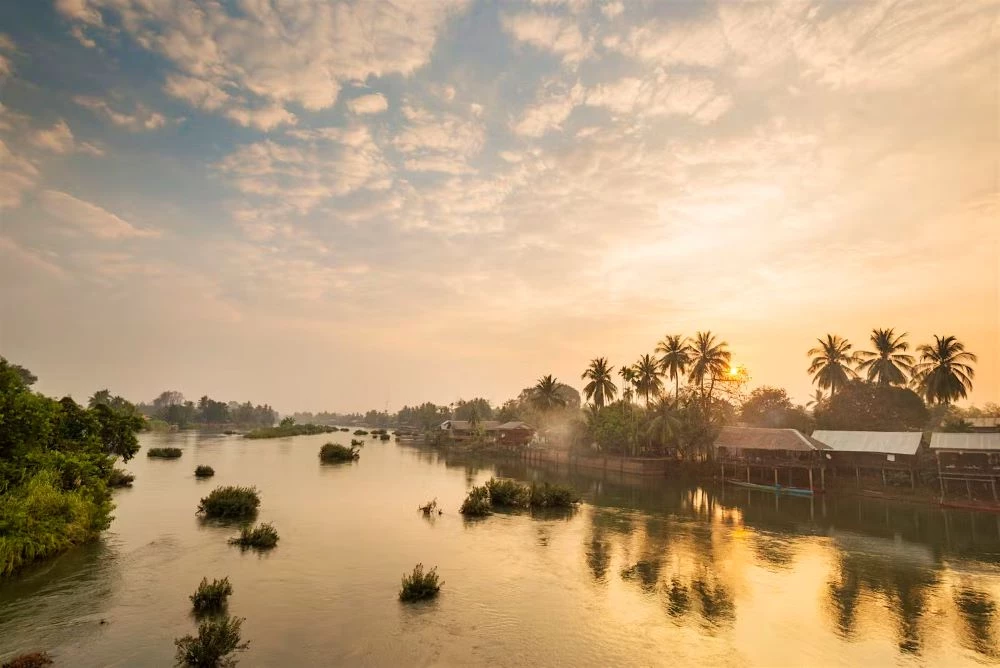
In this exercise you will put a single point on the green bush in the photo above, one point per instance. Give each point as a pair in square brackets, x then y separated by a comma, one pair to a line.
[211, 597]
[477, 503]
[32, 660]
[552, 496]
[357, 443]
[164, 453]
[286, 429]
[120, 478]
[203, 471]
[507, 493]
[334, 452]
[262, 537]
[217, 638]
[418, 585]
[230, 502]
[383, 436]
[360, 432]
[344, 429]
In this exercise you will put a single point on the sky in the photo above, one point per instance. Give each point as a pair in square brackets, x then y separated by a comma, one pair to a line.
[345, 205]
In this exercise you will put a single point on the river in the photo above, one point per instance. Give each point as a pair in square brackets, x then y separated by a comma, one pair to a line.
[645, 572]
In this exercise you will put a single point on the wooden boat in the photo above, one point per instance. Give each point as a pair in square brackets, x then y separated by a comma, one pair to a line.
[984, 506]
[777, 489]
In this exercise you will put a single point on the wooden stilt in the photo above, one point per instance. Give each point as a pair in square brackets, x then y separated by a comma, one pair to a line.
[857, 475]
[775, 477]
[822, 478]
[913, 483]
[883, 477]
[810, 487]
[937, 456]
[993, 484]
[968, 488]
[748, 474]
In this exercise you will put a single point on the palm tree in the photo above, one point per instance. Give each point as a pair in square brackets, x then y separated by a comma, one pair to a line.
[831, 363]
[600, 388]
[888, 364]
[648, 380]
[628, 375]
[708, 358]
[100, 397]
[817, 400]
[676, 356]
[944, 374]
[666, 421]
[545, 394]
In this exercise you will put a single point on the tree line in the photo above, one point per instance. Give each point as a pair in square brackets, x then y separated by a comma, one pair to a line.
[172, 408]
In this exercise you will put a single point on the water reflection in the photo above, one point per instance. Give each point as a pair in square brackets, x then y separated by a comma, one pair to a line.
[977, 612]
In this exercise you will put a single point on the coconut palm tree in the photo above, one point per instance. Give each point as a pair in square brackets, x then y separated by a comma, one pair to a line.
[648, 381]
[831, 363]
[708, 358]
[601, 388]
[676, 356]
[545, 394]
[888, 364]
[629, 376]
[944, 373]
[666, 420]
[817, 400]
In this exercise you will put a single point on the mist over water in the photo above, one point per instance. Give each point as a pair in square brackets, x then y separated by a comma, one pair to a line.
[645, 572]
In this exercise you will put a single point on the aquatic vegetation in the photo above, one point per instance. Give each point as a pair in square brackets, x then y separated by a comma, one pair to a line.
[552, 496]
[217, 639]
[430, 507]
[508, 493]
[477, 503]
[383, 436]
[285, 429]
[345, 429]
[334, 452]
[230, 502]
[164, 453]
[360, 432]
[262, 537]
[32, 660]
[120, 478]
[211, 597]
[203, 471]
[357, 443]
[418, 586]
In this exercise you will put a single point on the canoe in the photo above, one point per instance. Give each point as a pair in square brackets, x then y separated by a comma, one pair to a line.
[777, 489]
[984, 507]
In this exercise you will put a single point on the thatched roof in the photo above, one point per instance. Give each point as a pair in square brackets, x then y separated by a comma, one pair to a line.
[966, 441]
[880, 442]
[759, 438]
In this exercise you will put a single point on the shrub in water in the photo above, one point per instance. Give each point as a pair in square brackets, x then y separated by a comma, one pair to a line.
[164, 453]
[552, 496]
[418, 585]
[230, 502]
[360, 432]
[211, 597]
[344, 429]
[429, 507]
[357, 443]
[477, 503]
[32, 660]
[203, 471]
[217, 638]
[383, 436]
[120, 478]
[507, 493]
[334, 452]
[263, 537]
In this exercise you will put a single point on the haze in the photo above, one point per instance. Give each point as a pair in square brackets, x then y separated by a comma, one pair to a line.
[364, 204]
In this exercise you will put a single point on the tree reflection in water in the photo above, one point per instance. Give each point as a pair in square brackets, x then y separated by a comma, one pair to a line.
[977, 612]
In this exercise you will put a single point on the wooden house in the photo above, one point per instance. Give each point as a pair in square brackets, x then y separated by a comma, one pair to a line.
[973, 459]
[514, 434]
[856, 453]
[782, 458]
[466, 430]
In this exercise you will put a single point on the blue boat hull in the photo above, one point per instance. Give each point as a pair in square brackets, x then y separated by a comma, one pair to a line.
[776, 489]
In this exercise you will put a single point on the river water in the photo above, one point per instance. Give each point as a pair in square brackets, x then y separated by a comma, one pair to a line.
[645, 572]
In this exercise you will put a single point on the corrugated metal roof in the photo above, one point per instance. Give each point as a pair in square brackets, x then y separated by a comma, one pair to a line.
[509, 426]
[761, 438]
[941, 441]
[466, 425]
[984, 422]
[883, 442]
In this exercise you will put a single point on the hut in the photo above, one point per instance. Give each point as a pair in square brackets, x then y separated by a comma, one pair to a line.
[778, 458]
[514, 434]
[861, 452]
[970, 458]
[466, 430]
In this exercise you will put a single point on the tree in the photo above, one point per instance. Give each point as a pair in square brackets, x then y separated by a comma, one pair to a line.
[944, 373]
[766, 407]
[708, 358]
[676, 357]
[628, 375]
[546, 395]
[888, 364]
[831, 363]
[648, 382]
[474, 409]
[870, 407]
[664, 423]
[601, 388]
[100, 397]
[816, 400]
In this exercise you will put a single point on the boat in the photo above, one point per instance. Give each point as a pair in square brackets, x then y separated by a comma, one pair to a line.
[982, 506]
[777, 489]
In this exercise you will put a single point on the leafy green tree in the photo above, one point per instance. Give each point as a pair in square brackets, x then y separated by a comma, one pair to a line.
[648, 380]
[888, 364]
[601, 389]
[871, 407]
[675, 351]
[832, 363]
[478, 409]
[664, 423]
[708, 358]
[944, 373]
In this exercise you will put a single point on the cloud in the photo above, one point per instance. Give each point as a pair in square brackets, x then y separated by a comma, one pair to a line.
[89, 217]
[550, 112]
[58, 138]
[142, 118]
[662, 95]
[17, 176]
[373, 103]
[613, 9]
[7, 47]
[557, 34]
[262, 58]
[438, 141]
[17, 254]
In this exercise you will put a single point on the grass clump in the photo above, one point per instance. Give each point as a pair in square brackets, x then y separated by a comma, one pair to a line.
[552, 496]
[360, 432]
[203, 471]
[430, 507]
[164, 453]
[345, 429]
[230, 502]
[31, 660]
[357, 443]
[217, 639]
[262, 537]
[477, 503]
[120, 478]
[334, 452]
[284, 430]
[211, 597]
[418, 586]
[508, 493]
[383, 436]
